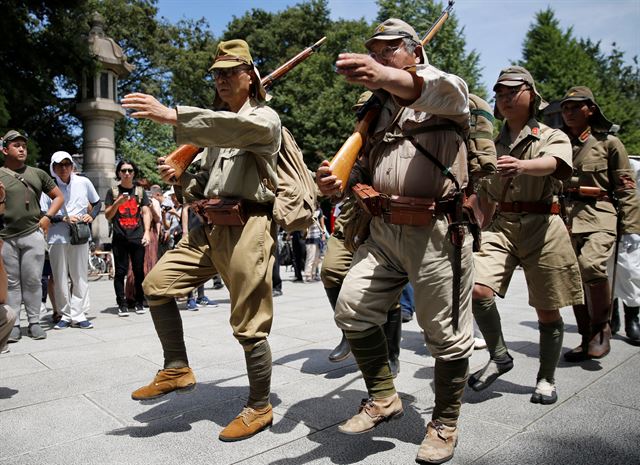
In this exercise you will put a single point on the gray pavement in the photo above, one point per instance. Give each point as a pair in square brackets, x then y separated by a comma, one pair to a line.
[66, 399]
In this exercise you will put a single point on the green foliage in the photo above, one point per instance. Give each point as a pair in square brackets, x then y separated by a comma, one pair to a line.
[557, 60]
[446, 50]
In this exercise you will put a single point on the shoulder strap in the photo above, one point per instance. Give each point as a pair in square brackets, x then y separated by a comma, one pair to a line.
[24, 182]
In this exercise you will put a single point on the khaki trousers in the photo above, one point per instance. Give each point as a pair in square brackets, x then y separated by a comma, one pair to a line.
[593, 251]
[244, 257]
[393, 255]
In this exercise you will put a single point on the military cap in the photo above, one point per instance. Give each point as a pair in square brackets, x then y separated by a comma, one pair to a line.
[393, 29]
[13, 135]
[514, 76]
[598, 121]
[235, 52]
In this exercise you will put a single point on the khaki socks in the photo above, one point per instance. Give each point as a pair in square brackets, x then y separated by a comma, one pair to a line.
[258, 361]
[168, 324]
[551, 336]
[369, 347]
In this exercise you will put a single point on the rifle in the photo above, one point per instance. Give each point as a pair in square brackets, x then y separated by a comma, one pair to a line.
[182, 157]
[343, 161]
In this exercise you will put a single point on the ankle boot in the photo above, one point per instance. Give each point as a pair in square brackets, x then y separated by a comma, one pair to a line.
[615, 318]
[599, 303]
[583, 320]
[393, 332]
[631, 324]
[342, 350]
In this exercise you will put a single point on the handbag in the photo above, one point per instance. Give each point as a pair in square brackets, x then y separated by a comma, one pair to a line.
[80, 231]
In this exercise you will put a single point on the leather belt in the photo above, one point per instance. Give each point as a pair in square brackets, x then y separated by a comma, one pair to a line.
[540, 208]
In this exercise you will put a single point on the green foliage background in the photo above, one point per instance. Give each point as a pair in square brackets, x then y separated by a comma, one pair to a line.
[43, 54]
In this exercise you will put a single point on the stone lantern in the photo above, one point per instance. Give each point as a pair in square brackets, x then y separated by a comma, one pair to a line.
[98, 108]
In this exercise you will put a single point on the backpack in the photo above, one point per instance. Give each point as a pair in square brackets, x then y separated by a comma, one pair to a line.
[296, 193]
[138, 192]
[481, 149]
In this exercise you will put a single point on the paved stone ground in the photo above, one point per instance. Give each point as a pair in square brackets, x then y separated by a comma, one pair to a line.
[66, 400]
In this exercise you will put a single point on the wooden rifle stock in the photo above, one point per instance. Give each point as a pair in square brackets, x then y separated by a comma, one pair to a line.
[182, 157]
[346, 156]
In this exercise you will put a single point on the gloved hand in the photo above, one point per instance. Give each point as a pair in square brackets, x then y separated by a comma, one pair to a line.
[630, 242]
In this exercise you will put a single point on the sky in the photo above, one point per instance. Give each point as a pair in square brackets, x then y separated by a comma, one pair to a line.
[494, 28]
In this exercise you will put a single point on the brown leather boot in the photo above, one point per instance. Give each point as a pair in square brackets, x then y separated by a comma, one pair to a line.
[248, 423]
[373, 412]
[438, 443]
[599, 303]
[166, 381]
[583, 320]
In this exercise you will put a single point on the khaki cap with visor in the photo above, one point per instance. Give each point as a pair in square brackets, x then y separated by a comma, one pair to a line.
[515, 76]
[394, 29]
[597, 121]
[232, 53]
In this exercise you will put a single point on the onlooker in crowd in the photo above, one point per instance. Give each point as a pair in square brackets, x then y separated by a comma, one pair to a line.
[127, 207]
[627, 280]
[24, 243]
[299, 255]
[48, 284]
[7, 315]
[189, 221]
[275, 274]
[407, 303]
[157, 198]
[150, 254]
[69, 261]
[315, 237]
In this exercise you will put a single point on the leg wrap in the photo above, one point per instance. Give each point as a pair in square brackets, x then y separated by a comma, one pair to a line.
[370, 350]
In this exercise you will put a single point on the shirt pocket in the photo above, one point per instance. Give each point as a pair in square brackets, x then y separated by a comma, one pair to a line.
[593, 174]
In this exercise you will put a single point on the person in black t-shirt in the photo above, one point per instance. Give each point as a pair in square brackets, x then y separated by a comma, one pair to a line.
[127, 207]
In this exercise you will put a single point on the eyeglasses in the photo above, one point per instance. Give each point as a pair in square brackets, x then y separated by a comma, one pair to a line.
[65, 165]
[126, 170]
[386, 53]
[509, 95]
[226, 73]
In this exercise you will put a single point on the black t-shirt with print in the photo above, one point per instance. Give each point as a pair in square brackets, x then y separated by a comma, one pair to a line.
[127, 222]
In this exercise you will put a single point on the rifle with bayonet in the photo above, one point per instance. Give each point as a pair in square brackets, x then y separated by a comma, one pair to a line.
[182, 157]
[343, 161]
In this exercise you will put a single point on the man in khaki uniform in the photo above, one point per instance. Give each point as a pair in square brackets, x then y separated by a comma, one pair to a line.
[417, 98]
[601, 175]
[526, 231]
[243, 139]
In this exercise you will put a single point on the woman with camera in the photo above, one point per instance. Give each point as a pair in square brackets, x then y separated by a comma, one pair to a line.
[68, 246]
[127, 207]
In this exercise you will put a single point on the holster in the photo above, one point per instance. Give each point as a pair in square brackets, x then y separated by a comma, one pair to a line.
[222, 211]
[368, 199]
[411, 211]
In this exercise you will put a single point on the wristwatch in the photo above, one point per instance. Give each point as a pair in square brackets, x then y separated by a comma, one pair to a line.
[50, 217]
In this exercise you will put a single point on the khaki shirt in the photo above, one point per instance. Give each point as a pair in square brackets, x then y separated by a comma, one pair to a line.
[397, 167]
[600, 160]
[242, 149]
[534, 141]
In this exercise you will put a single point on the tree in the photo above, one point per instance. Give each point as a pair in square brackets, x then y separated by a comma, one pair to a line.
[557, 61]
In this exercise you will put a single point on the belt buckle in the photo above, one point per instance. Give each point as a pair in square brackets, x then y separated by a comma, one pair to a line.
[516, 207]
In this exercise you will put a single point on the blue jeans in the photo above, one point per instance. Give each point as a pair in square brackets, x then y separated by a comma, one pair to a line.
[407, 305]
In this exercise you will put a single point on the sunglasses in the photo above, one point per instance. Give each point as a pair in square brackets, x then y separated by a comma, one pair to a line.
[65, 165]
[126, 170]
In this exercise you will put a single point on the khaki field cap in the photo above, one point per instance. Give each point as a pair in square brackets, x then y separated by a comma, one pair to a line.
[13, 135]
[597, 121]
[514, 76]
[236, 52]
[232, 53]
[393, 29]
